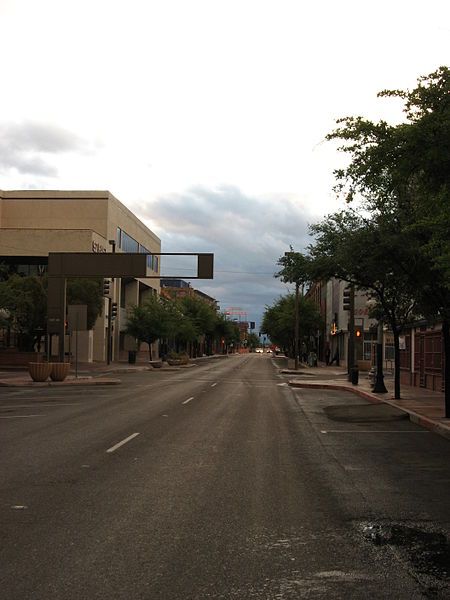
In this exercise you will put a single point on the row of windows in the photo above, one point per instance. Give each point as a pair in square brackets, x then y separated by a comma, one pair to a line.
[128, 244]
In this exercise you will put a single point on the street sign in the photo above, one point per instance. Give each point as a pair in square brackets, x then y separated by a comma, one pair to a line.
[77, 317]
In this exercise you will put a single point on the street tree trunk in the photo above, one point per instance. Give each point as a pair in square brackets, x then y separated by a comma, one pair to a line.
[446, 337]
[396, 363]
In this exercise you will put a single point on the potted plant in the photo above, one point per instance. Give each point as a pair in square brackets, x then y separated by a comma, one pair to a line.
[176, 359]
[39, 371]
[59, 370]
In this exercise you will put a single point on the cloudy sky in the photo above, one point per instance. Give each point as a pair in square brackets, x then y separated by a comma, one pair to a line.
[206, 118]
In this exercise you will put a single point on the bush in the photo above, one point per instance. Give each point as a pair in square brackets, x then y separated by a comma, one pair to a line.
[183, 357]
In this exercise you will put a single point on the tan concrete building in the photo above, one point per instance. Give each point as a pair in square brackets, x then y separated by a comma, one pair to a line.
[34, 223]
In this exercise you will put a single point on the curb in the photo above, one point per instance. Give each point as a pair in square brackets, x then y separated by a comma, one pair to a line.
[421, 420]
[71, 383]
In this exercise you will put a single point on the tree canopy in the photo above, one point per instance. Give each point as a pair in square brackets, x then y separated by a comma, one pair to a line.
[393, 239]
[279, 322]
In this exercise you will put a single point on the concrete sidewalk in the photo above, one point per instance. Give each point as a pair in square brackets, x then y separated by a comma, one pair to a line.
[424, 407]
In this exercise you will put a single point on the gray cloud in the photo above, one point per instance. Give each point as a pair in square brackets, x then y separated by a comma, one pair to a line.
[247, 235]
[28, 147]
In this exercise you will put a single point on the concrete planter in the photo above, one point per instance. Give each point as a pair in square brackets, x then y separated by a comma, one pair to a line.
[156, 364]
[59, 370]
[39, 371]
[174, 362]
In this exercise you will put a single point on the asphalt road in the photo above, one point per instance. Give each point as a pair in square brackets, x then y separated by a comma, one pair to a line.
[218, 481]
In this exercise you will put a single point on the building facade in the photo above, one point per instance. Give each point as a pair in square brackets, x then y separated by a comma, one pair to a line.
[178, 288]
[34, 223]
[422, 357]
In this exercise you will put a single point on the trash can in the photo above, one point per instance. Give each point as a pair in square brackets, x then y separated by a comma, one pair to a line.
[354, 375]
[132, 357]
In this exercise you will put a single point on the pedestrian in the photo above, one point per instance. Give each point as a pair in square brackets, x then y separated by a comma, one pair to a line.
[335, 358]
[327, 355]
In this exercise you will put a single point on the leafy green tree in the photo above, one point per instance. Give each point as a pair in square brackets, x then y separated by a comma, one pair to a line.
[295, 269]
[252, 341]
[226, 332]
[24, 304]
[87, 291]
[401, 173]
[202, 317]
[151, 321]
[364, 253]
[279, 318]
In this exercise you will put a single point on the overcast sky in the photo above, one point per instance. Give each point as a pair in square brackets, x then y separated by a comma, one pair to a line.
[206, 118]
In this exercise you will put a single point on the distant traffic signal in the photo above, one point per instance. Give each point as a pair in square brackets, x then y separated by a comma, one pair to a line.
[113, 311]
[358, 332]
[106, 287]
[346, 304]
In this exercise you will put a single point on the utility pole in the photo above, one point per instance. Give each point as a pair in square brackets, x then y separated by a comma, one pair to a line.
[379, 387]
[349, 304]
[297, 324]
[109, 322]
[351, 332]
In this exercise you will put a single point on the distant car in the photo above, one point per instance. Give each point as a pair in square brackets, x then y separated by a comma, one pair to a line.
[268, 350]
[260, 350]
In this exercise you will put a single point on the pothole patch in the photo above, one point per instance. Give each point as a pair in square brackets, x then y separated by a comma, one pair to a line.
[424, 549]
[364, 413]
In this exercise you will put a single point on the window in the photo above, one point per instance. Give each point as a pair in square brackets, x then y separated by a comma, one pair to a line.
[128, 244]
[369, 345]
[144, 250]
[433, 351]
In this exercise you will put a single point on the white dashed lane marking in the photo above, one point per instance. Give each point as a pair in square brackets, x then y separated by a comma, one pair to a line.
[119, 444]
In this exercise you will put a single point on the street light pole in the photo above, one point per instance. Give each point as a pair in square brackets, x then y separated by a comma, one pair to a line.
[379, 386]
[109, 325]
[351, 335]
[297, 290]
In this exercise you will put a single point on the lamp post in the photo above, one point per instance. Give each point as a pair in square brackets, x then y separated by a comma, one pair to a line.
[109, 346]
[379, 387]
[297, 324]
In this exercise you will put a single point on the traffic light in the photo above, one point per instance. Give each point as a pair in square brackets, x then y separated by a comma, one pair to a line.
[346, 305]
[358, 332]
[113, 311]
[106, 287]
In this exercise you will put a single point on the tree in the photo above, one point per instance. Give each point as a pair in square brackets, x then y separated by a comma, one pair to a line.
[279, 318]
[295, 269]
[150, 322]
[24, 304]
[202, 317]
[364, 253]
[226, 332]
[401, 173]
[86, 291]
[252, 341]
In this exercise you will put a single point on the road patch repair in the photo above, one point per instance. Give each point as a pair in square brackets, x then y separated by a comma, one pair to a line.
[365, 413]
[410, 408]
[424, 550]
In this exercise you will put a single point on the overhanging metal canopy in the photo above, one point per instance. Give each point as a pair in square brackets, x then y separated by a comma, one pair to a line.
[130, 264]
